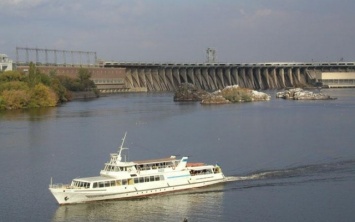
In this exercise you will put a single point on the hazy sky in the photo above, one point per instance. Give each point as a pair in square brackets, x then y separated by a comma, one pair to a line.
[182, 30]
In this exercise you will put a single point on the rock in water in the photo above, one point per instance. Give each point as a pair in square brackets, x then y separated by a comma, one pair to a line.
[214, 98]
[300, 94]
[189, 92]
[235, 94]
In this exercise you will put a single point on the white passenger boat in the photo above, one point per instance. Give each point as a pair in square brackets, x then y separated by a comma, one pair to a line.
[120, 179]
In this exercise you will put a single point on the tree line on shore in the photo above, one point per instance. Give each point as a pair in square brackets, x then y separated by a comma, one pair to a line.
[35, 89]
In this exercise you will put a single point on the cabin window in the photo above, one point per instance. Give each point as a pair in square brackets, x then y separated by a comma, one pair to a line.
[148, 179]
[130, 182]
[118, 182]
[107, 183]
[94, 185]
[124, 182]
[81, 184]
[112, 183]
[101, 184]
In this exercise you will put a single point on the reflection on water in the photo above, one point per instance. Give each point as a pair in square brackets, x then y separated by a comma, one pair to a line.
[171, 207]
[28, 114]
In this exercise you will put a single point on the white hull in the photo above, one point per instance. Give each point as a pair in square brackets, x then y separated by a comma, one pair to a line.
[71, 196]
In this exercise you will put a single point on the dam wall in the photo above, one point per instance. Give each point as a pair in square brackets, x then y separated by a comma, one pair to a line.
[207, 76]
[114, 77]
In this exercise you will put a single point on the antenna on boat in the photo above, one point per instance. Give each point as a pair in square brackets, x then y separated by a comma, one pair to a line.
[119, 157]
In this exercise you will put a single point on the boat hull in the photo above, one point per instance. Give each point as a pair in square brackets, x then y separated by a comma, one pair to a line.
[73, 196]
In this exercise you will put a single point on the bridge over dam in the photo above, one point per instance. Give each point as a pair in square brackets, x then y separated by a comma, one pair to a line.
[214, 76]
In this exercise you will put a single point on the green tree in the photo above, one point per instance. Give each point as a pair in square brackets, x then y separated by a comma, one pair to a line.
[33, 75]
[84, 76]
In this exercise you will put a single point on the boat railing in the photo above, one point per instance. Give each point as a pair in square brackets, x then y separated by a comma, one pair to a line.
[60, 186]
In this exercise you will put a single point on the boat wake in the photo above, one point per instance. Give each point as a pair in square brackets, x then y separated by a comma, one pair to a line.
[316, 172]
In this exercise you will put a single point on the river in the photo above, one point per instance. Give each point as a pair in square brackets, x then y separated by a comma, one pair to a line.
[290, 160]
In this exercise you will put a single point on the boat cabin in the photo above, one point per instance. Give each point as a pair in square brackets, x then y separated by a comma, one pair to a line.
[143, 165]
[104, 182]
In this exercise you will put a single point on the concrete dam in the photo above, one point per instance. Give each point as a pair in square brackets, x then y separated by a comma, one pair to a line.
[213, 76]
[115, 77]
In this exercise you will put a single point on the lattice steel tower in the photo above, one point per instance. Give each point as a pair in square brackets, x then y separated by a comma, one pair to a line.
[54, 57]
[211, 55]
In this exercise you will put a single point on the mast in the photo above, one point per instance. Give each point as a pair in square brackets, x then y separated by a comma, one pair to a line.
[119, 157]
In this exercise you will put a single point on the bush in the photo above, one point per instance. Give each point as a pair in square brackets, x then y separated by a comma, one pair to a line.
[15, 85]
[42, 96]
[2, 103]
[15, 99]
[60, 90]
[237, 94]
[18, 90]
[9, 76]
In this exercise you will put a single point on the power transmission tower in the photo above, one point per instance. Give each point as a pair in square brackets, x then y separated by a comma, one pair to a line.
[211, 55]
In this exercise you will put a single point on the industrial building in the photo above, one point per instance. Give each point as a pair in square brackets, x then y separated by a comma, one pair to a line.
[336, 79]
[5, 63]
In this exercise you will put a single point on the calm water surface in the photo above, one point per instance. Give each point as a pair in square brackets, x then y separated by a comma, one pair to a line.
[290, 160]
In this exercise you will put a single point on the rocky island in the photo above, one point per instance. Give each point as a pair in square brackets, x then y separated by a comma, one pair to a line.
[230, 94]
[300, 94]
[189, 92]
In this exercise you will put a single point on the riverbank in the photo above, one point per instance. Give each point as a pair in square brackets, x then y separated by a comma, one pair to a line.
[84, 95]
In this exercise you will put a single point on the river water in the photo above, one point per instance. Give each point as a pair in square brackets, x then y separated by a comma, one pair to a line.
[289, 160]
